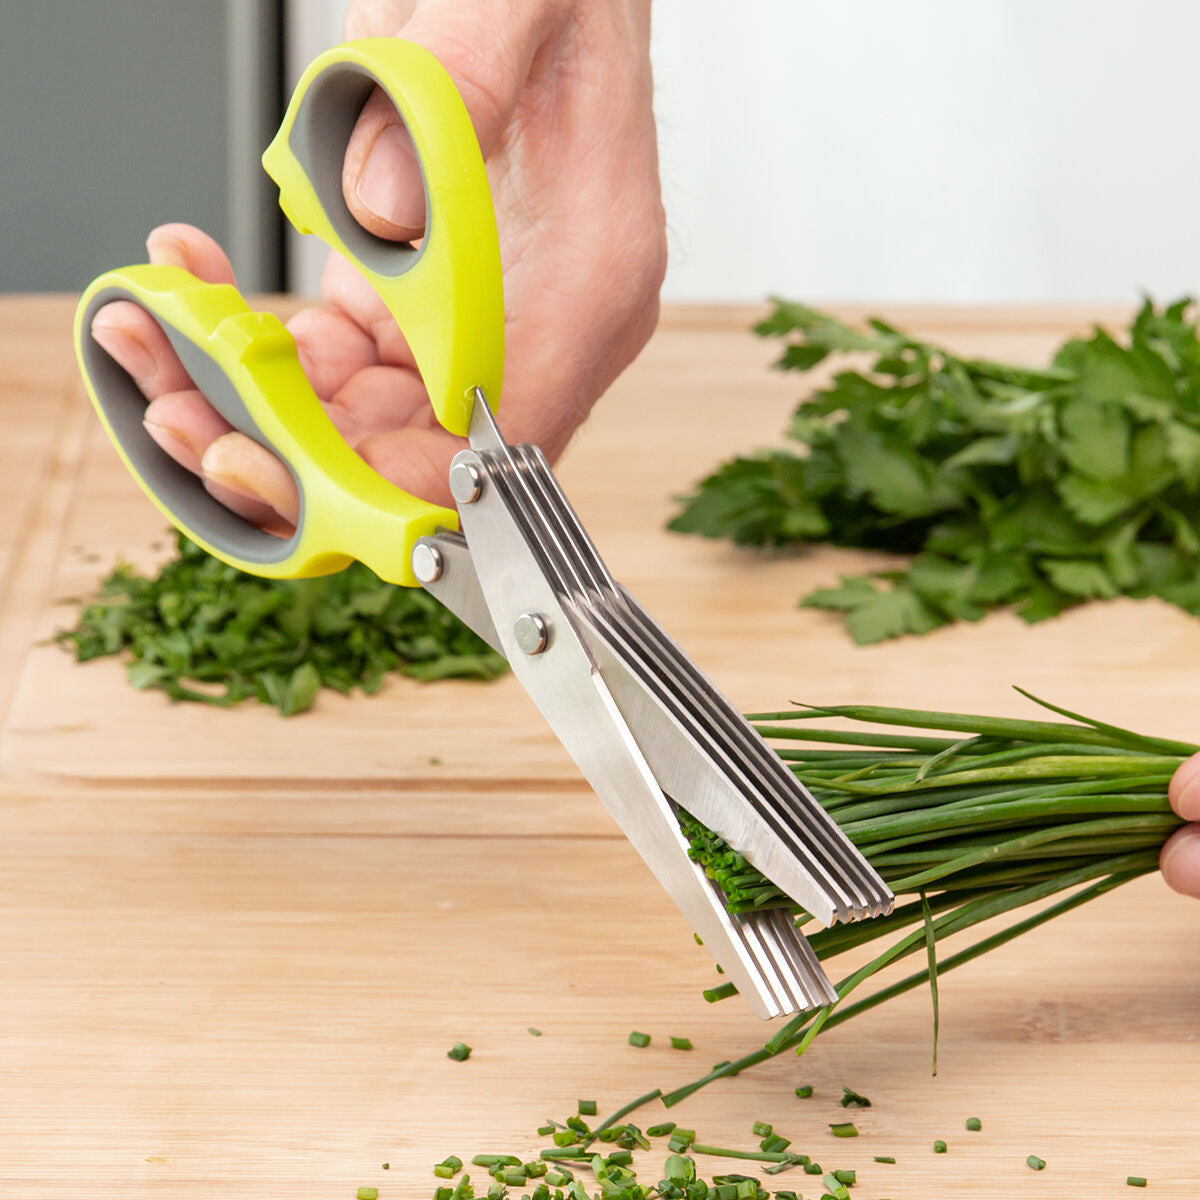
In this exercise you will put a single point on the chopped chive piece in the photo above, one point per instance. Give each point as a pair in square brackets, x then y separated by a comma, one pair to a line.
[721, 992]
[884, 1158]
[587, 1108]
[639, 1039]
[535, 1169]
[546, 1130]
[845, 1176]
[1135, 1180]
[974, 1124]
[535, 1032]
[620, 1158]
[678, 1043]
[368, 1193]
[850, 1096]
[497, 1191]
[494, 1160]
[448, 1167]
[939, 1147]
[761, 1129]
[558, 1176]
[387, 1166]
[661, 1130]
[774, 1144]
[844, 1129]
[570, 1152]
[804, 1091]
[813, 1168]
[565, 1137]
[460, 1051]
[1038, 1164]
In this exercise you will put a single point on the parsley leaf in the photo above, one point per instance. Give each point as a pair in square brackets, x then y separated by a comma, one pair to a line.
[1039, 488]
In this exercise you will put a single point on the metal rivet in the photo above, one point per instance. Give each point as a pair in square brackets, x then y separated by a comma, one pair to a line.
[427, 562]
[533, 632]
[466, 482]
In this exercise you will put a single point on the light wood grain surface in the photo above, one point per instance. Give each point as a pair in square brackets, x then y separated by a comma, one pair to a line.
[234, 949]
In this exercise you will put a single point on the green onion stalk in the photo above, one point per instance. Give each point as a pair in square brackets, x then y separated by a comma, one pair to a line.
[1000, 815]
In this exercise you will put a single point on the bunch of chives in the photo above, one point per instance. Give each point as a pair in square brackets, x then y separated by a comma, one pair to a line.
[1005, 814]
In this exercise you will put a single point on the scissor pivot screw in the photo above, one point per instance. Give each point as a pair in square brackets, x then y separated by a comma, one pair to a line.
[466, 482]
[533, 632]
[428, 562]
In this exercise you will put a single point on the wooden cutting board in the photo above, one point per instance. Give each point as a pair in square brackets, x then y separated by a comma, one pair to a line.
[235, 949]
[699, 393]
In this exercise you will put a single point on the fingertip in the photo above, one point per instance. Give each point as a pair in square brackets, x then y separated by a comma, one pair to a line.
[1184, 789]
[1180, 861]
[178, 244]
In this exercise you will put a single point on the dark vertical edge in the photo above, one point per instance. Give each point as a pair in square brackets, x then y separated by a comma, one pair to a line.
[254, 41]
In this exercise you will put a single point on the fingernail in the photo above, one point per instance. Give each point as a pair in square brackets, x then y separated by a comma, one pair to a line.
[175, 444]
[1181, 862]
[1184, 789]
[236, 485]
[165, 250]
[129, 350]
[390, 184]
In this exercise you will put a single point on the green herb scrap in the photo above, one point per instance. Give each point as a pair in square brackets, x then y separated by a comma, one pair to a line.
[1009, 485]
[201, 630]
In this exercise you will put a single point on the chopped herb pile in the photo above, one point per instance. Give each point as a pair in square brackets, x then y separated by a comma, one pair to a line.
[201, 630]
[586, 1163]
[1038, 488]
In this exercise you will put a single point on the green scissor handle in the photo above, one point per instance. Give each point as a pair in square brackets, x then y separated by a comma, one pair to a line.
[447, 297]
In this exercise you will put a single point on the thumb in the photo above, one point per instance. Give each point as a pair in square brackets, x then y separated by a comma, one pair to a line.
[487, 48]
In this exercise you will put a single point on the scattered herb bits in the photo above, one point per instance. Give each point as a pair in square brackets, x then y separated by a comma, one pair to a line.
[448, 1167]
[460, 1052]
[849, 1097]
[804, 1091]
[587, 1108]
[1135, 1181]
[884, 1158]
[939, 1147]
[974, 1124]
[534, 1032]
[368, 1193]
[641, 1040]
[844, 1129]
[681, 1043]
[204, 631]
[1037, 1164]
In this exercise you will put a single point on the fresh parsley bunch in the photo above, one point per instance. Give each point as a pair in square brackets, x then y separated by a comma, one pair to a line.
[201, 630]
[1010, 485]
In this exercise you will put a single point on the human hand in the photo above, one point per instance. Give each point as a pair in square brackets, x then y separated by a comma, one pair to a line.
[1180, 860]
[559, 92]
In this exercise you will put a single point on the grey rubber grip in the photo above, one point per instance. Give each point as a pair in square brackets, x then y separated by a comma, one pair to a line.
[182, 492]
[318, 139]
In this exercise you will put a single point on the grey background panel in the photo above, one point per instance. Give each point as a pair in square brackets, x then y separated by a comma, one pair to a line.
[117, 116]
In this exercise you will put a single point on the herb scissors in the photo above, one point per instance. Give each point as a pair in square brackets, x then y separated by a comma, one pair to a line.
[646, 727]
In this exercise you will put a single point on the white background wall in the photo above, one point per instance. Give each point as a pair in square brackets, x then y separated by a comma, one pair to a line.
[943, 150]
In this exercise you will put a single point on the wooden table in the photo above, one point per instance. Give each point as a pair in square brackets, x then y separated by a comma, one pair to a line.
[235, 949]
